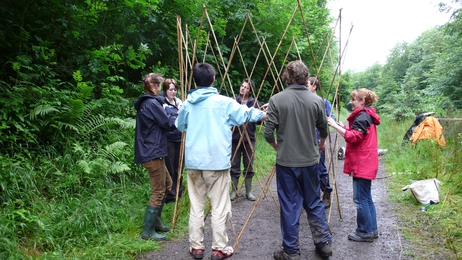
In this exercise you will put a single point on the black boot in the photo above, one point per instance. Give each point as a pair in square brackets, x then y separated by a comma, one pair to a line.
[150, 218]
[159, 226]
[326, 199]
[248, 189]
[234, 187]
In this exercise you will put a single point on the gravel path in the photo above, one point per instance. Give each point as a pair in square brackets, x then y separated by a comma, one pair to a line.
[261, 234]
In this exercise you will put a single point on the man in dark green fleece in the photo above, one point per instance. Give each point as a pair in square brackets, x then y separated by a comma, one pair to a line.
[294, 114]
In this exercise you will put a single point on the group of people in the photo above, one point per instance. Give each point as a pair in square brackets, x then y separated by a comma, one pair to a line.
[219, 132]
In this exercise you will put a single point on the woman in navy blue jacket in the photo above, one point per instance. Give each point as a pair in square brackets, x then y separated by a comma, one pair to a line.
[152, 126]
[172, 106]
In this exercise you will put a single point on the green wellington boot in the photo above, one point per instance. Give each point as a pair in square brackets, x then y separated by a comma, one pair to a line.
[234, 187]
[248, 189]
[150, 218]
[159, 226]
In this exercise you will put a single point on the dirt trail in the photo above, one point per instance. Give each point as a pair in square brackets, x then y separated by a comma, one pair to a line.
[262, 235]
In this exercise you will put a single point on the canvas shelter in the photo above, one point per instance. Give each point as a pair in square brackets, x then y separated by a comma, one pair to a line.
[430, 128]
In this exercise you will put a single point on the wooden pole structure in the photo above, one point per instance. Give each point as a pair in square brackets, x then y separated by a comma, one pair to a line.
[186, 63]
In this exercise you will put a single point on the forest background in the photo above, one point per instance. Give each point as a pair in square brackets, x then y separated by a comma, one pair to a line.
[71, 70]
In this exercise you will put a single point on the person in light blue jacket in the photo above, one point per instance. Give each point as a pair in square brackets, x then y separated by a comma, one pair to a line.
[207, 118]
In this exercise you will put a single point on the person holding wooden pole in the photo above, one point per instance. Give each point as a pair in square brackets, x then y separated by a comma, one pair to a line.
[294, 114]
[361, 160]
[243, 144]
[326, 188]
[207, 118]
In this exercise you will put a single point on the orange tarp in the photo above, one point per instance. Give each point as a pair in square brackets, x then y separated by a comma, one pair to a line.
[430, 128]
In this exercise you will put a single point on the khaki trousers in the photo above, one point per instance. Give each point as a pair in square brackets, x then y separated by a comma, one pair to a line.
[161, 182]
[215, 185]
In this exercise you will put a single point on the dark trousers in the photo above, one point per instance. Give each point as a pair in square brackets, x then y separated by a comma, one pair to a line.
[300, 187]
[324, 174]
[172, 163]
[243, 152]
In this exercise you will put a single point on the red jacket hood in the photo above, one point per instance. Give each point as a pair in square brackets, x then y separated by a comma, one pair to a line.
[369, 110]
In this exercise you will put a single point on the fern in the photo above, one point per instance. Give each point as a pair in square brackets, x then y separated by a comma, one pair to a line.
[42, 110]
[62, 125]
[78, 148]
[91, 123]
[110, 150]
[85, 166]
[118, 167]
[104, 161]
[127, 123]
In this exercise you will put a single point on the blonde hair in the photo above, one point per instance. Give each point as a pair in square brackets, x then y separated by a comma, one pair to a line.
[365, 94]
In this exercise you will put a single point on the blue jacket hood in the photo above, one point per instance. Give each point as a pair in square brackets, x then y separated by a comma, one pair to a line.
[207, 118]
[195, 96]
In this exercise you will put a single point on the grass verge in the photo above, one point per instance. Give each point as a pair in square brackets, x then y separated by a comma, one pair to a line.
[435, 233]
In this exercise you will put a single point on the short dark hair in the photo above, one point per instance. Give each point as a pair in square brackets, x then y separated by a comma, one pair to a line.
[204, 74]
[314, 82]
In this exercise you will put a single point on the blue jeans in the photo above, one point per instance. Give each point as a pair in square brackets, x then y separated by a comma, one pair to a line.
[365, 209]
[300, 187]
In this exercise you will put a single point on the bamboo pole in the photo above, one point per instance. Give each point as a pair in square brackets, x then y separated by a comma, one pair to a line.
[268, 182]
[186, 64]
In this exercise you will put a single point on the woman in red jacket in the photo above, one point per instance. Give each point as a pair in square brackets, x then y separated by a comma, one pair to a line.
[361, 160]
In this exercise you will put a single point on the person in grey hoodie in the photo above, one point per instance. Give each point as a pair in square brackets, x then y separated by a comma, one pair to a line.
[152, 125]
[207, 118]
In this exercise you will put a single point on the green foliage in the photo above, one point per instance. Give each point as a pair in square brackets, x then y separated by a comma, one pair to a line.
[406, 163]
[71, 71]
[419, 77]
[104, 161]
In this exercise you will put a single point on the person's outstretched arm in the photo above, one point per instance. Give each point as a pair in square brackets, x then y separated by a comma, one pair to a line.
[336, 126]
